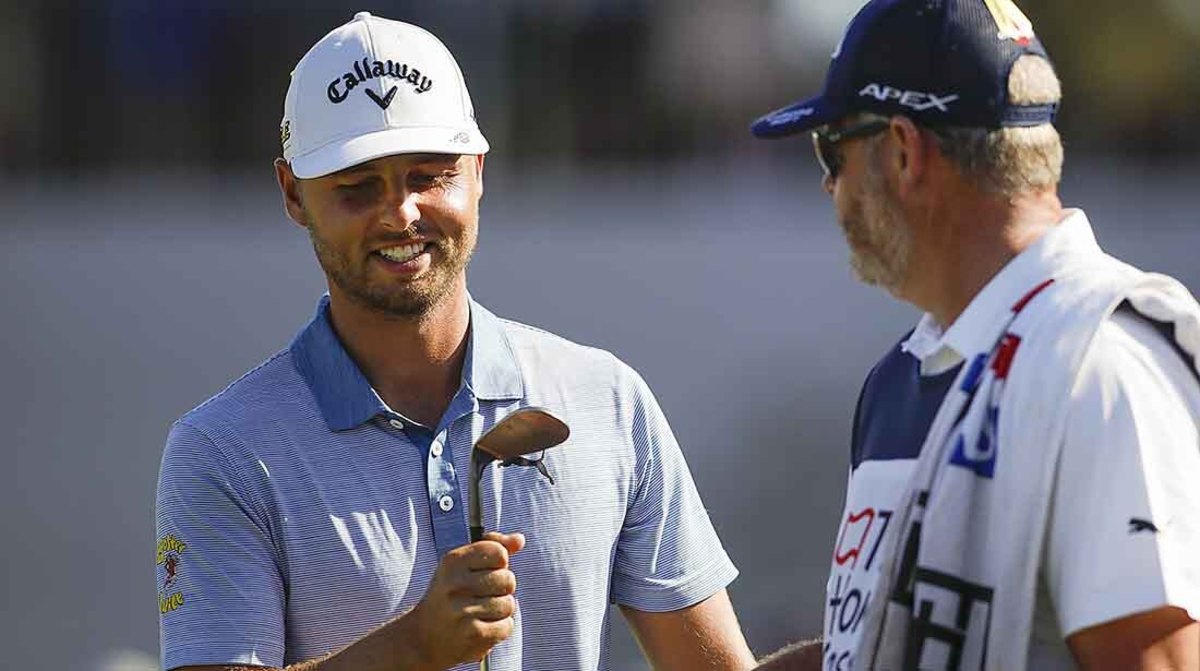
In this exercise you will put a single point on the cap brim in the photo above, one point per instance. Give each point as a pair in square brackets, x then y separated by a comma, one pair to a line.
[342, 154]
[796, 118]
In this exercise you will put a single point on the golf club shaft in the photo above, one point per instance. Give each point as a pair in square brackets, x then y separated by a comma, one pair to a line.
[477, 535]
[475, 520]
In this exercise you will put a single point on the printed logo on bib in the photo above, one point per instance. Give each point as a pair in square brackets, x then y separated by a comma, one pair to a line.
[855, 533]
[848, 593]
[866, 532]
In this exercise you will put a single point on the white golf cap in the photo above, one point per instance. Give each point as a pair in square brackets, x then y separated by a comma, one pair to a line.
[371, 88]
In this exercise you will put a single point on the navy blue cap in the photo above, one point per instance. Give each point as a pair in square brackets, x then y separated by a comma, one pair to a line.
[938, 62]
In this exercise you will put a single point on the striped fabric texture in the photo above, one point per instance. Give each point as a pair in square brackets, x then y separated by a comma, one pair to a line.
[296, 511]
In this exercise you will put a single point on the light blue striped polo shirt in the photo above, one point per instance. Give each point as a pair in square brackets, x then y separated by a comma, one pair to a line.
[296, 511]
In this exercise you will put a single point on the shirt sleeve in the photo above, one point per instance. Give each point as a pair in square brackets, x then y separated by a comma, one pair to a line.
[1124, 529]
[220, 591]
[668, 555]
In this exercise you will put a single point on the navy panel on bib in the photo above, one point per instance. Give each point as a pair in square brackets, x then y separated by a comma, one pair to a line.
[896, 407]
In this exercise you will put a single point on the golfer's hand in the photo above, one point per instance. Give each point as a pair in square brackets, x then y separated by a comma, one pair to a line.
[469, 605]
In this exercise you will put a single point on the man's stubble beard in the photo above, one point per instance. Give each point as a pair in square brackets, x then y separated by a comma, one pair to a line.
[403, 300]
[879, 240]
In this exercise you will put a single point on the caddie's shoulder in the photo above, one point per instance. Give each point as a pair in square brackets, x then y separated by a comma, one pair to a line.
[895, 361]
[1130, 339]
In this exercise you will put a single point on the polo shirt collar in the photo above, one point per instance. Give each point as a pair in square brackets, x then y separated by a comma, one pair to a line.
[977, 327]
[491, 370]
[347, 400]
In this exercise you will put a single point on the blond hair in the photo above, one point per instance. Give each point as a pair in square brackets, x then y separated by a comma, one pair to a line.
[1012, 160]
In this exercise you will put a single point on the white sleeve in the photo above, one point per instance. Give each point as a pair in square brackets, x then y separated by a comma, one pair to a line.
[1124, 532]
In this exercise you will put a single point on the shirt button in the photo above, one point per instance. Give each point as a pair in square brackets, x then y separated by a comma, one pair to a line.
[436, 449]
[445, 503]
[396, 424]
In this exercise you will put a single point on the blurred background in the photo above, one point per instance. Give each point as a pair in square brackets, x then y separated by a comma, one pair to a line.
[146, 262]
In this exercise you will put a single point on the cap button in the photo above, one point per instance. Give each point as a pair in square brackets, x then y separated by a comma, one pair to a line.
[362, 16]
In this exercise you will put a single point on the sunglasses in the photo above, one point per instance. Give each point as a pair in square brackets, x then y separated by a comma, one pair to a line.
[825, 143]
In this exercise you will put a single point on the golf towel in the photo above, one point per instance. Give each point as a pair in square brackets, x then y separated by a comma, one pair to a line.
[960, 586]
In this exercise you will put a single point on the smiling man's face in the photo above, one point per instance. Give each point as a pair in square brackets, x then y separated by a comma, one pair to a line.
[394, 235]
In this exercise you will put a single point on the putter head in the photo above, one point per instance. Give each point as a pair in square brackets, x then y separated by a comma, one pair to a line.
[523, 431]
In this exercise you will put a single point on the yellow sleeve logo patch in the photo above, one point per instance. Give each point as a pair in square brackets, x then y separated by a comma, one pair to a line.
[167, 555]
[1013, 23]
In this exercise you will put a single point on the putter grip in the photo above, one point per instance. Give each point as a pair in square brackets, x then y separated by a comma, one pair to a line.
[485, 664]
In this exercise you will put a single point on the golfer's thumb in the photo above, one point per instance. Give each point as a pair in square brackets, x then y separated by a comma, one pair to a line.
[511, 542]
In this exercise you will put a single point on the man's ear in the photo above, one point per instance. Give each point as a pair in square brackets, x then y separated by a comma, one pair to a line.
[479, 169]
[910, 154]
[289, 188]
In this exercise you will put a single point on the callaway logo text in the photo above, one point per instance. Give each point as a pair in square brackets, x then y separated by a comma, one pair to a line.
[363, 70]
[915, 100]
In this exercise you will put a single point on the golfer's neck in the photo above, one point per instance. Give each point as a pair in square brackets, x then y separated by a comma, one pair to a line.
[415, 365]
